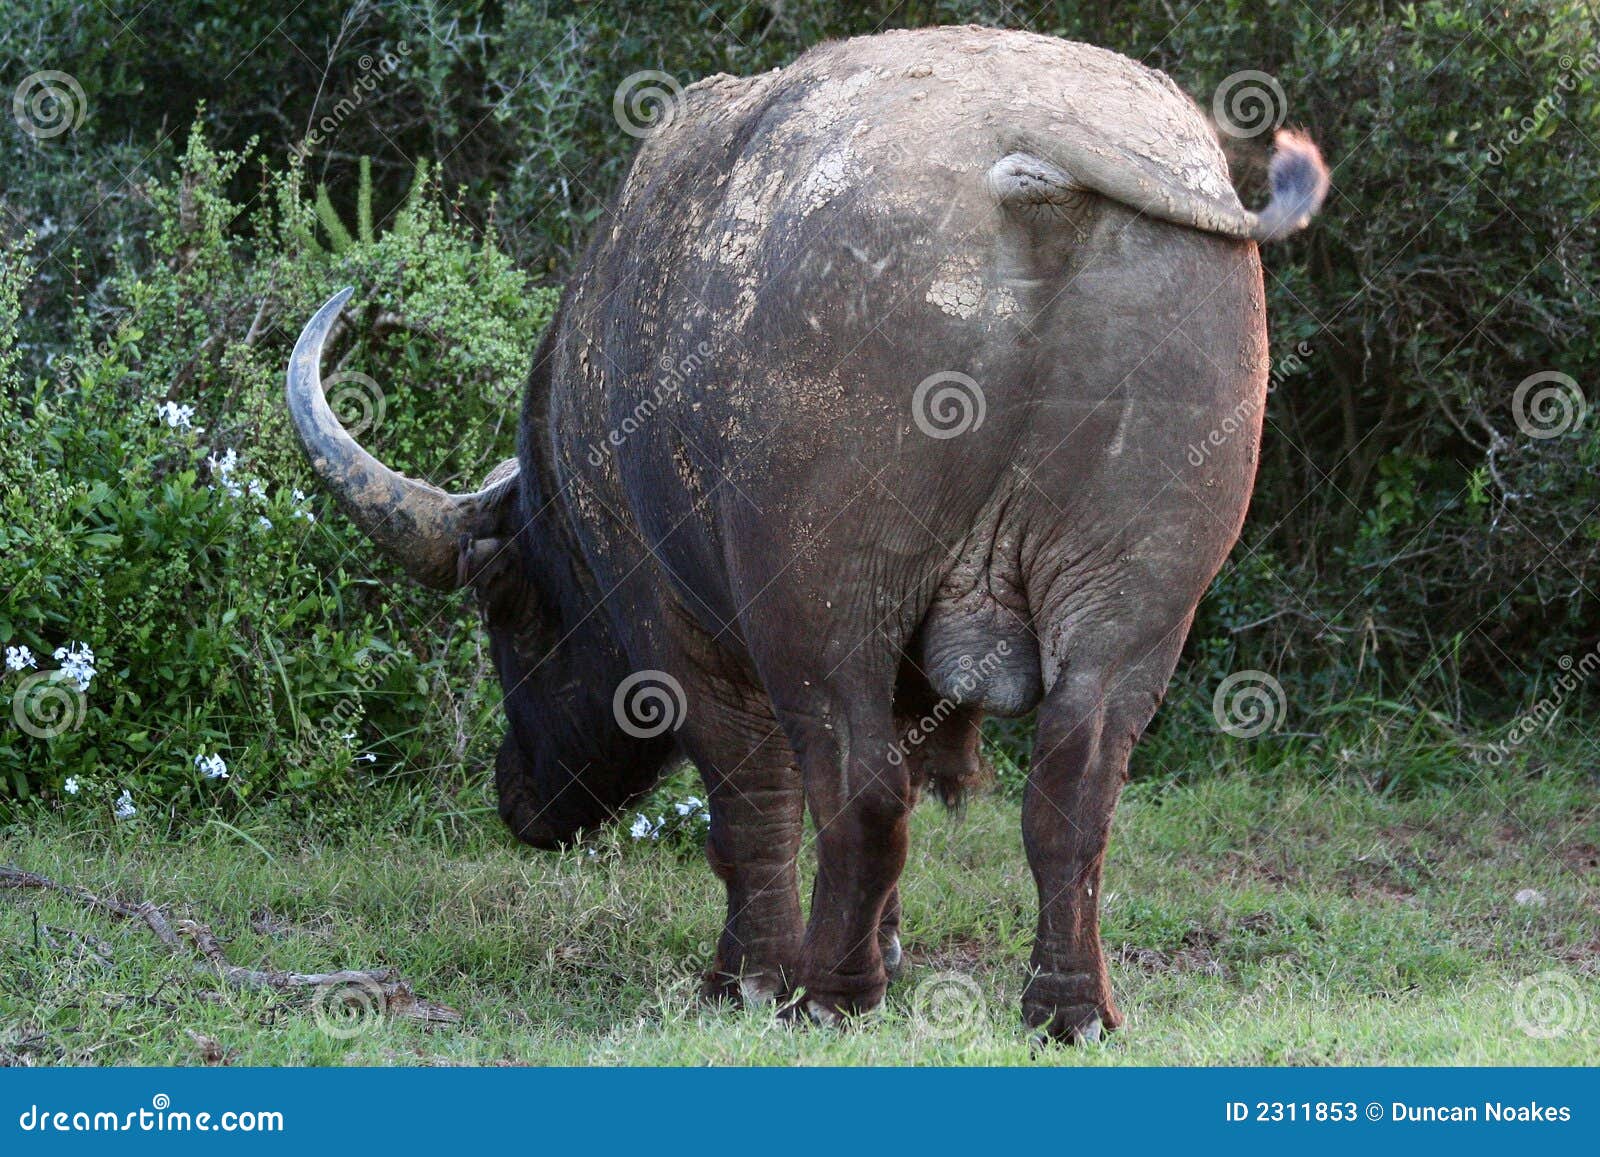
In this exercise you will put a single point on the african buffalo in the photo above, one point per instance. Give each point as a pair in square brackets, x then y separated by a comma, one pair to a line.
[864, 415]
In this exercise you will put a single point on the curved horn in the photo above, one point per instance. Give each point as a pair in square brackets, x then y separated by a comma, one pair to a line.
[417, 525]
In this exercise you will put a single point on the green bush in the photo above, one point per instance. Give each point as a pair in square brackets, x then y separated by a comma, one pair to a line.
[158, 510]
[1410, 543]
[1406, 530]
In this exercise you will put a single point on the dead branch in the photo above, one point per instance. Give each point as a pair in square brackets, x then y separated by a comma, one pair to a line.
[382, 987]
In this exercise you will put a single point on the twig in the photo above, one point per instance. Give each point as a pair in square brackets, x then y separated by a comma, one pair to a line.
[255, 324]
[393, 994]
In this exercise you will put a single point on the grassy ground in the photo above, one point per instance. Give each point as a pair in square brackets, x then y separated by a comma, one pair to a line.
[1251, 919]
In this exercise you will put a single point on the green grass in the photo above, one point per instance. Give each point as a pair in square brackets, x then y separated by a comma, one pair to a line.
[1251, 919]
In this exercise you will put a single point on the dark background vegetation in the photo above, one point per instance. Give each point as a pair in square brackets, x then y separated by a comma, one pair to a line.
[1412, 559]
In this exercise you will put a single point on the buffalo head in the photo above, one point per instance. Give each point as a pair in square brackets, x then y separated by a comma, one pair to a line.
[566, 764]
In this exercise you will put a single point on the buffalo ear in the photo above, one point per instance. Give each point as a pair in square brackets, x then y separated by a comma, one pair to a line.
[485, 547]
[478, 560]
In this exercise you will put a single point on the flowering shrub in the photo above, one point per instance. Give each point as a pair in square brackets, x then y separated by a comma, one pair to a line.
[164, 544]
[685, 817]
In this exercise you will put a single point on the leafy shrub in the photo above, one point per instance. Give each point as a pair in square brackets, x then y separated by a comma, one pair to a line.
[1410, 540]
[1406, 528]
[158, 510]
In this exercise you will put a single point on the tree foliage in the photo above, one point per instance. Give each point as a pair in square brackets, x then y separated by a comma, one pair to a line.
[1417, 529]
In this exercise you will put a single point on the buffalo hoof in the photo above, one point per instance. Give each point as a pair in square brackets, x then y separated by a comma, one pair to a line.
[821, 1014]
[759, 991]
[754, 991]
[800, 1011]
[1079, 1024]
[893, 957]
[829, 1006]
[1070, 1007]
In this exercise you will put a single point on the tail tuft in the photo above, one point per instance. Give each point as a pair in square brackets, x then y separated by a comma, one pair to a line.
[1299, 180]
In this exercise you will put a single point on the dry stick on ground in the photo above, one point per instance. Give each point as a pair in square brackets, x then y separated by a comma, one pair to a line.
[355, 988]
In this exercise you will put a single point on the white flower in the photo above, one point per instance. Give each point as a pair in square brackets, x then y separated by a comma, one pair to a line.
[300, 503]
[19, 657]
[366, 757]
[211, 766]
[222, 470]
[264, 522]
[77, 663]
[644, 829]
[177, 417]
[694, 807]
[71, 786]
[124, 809]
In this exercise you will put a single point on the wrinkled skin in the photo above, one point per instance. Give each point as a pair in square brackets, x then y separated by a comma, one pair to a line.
[775, 532]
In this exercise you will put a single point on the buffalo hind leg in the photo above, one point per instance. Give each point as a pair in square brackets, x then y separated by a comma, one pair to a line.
[757, 816]
[1087, 727]
[941, 746]
[860, 801]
